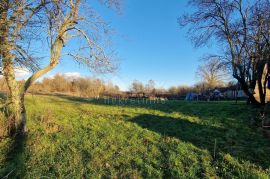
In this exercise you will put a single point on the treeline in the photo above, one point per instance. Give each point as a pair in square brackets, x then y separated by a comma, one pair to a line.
[150, 89]
[79, 86]
[96, 88]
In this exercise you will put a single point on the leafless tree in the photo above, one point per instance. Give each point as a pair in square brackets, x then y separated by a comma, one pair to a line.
[26, 23]
[173, 90]
[241, 28]
[212, 73]
[150, 87]
[137, 87]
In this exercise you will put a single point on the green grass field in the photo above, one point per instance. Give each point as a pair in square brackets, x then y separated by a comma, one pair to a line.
[76, 138]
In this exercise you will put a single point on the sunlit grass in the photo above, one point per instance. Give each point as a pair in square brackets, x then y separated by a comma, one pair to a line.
[76, 138]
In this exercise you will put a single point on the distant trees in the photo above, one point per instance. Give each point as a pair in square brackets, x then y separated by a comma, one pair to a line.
[90, 87]
[112, 90]
[150, 87]
[200, 87]
[241, 28]
[212, 73]
[151, 90]
[137, 87]
[173, 90]
[179, 90]
[83, 87]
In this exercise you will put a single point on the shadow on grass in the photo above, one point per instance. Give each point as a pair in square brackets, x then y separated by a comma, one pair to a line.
[200, 109]
[204, 137]
[235, 136]
[226, 113]
[15, 158]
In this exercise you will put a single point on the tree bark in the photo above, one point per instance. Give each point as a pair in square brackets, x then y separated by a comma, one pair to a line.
[262, 80]
[261, 92]
[16, 110]
[246, 90]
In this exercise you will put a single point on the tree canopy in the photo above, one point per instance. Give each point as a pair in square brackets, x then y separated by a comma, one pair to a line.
[241, 28]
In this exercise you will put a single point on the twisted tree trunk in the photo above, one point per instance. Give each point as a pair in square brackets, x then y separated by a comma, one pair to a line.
[15, 106]
[16, 103]
[16, 109]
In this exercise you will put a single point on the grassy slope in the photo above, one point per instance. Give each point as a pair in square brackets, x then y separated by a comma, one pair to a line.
[72, 138]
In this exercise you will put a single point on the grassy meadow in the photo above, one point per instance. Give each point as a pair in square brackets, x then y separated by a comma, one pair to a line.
[78, 138]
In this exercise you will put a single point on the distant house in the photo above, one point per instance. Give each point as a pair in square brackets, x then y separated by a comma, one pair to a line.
[230, 92]
[234, 92]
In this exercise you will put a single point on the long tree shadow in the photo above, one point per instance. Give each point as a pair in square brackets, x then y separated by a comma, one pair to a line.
[234, 136]
[14, 164]
[228, 114]
[228, 141]
[201, 109]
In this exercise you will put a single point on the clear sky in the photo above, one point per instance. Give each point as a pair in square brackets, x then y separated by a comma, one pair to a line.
[149, 43]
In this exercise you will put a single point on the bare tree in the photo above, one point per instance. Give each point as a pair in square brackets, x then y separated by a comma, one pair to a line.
[242, 29]
[150, 87]
[173, 90]
[137, 87]
[212, 73]
[59, 23]
[258, 46]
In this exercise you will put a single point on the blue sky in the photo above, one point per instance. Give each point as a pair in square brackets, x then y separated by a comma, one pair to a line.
[149, 43]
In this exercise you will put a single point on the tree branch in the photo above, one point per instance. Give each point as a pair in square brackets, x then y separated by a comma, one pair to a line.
[5, 104]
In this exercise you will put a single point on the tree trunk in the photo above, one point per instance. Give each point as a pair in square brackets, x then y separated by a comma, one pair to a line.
[16, 110]
[17, 116]
[261, 92]
[250, 95]
[262, 79]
